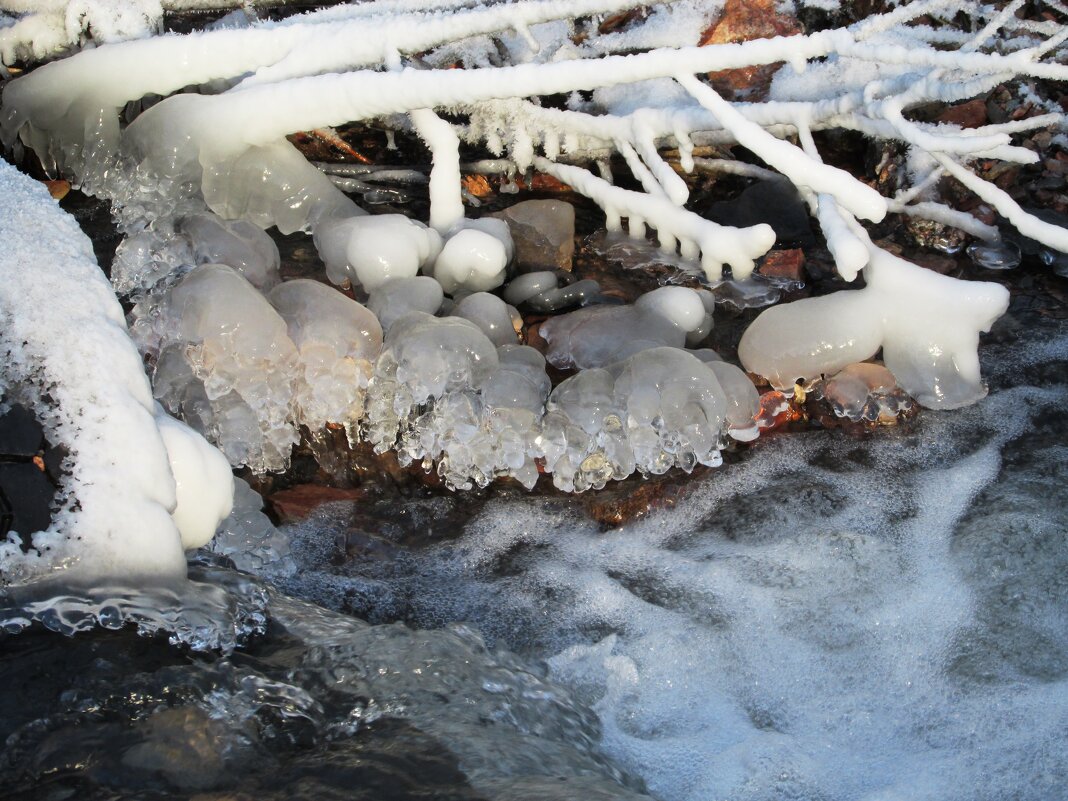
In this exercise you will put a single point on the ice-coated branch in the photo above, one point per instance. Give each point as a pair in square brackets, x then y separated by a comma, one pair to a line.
[717, 244]
[859, 198]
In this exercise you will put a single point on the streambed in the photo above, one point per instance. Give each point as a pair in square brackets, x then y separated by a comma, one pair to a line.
[830, 617]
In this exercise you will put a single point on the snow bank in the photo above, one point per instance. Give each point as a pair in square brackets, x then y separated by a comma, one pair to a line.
[67, 356]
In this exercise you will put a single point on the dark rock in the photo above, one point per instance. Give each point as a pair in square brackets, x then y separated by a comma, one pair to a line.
[776, 203]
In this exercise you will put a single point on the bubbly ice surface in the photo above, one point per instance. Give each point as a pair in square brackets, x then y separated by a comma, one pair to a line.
[337, 340]
[236, 243]
[225, 363]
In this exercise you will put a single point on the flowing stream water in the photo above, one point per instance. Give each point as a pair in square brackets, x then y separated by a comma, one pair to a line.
[831, 617]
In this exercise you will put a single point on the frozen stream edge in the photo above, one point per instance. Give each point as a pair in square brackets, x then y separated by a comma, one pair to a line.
[832, 618]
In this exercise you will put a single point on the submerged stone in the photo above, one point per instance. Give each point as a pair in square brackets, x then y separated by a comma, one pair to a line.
[543, 232]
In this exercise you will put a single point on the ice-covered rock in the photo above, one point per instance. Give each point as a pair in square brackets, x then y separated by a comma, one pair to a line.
[512, 400]
[742, 398]
[473, 259]
[236, 243]
[370, 250]
[660, 408]
[337, 340]
[424, 359]
[927, 325]
[393, 299]
[526, 286]
[584, 433]
[225, 363]
[491, 314]
[543, 232]
[600, 335]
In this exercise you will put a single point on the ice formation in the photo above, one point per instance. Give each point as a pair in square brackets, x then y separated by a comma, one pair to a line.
[225, 362]
[137, 487]
[543, 88]
[927, 325]
[866, 392]
[337, 343]
[601, 335]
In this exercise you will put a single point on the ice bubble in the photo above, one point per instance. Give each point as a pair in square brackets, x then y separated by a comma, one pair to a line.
[472, 259]
[1000, 256]
[527, 285]
[748, 293]
[236, 243]
[370, 250]
[491, 314]
[338, 340]
[226, 364]
[393, 299]
[203, 481]
[865, 391]
[1058, 261]
[600, 335]
[743, 400]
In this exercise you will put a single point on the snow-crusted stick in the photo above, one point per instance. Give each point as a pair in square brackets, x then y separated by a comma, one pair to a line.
[717, 244]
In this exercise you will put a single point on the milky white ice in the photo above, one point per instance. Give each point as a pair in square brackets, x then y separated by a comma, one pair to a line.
[138, 487]
[927, 325]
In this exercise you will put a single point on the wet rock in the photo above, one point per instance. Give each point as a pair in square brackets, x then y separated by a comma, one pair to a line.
[543, 232]
[785, 264]
[634, 498]
[297, 503]
[935, 235]
[741, 21]
[185, 746]
[971, 114]
[776, 203]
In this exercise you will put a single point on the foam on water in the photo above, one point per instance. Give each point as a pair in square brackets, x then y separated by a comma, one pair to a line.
[828, 619]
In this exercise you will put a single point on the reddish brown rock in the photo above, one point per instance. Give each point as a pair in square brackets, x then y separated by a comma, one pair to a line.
[58, 189]
[741, 21]
[636, 497]
[786, 264]
[967, 115]
[297, 503]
